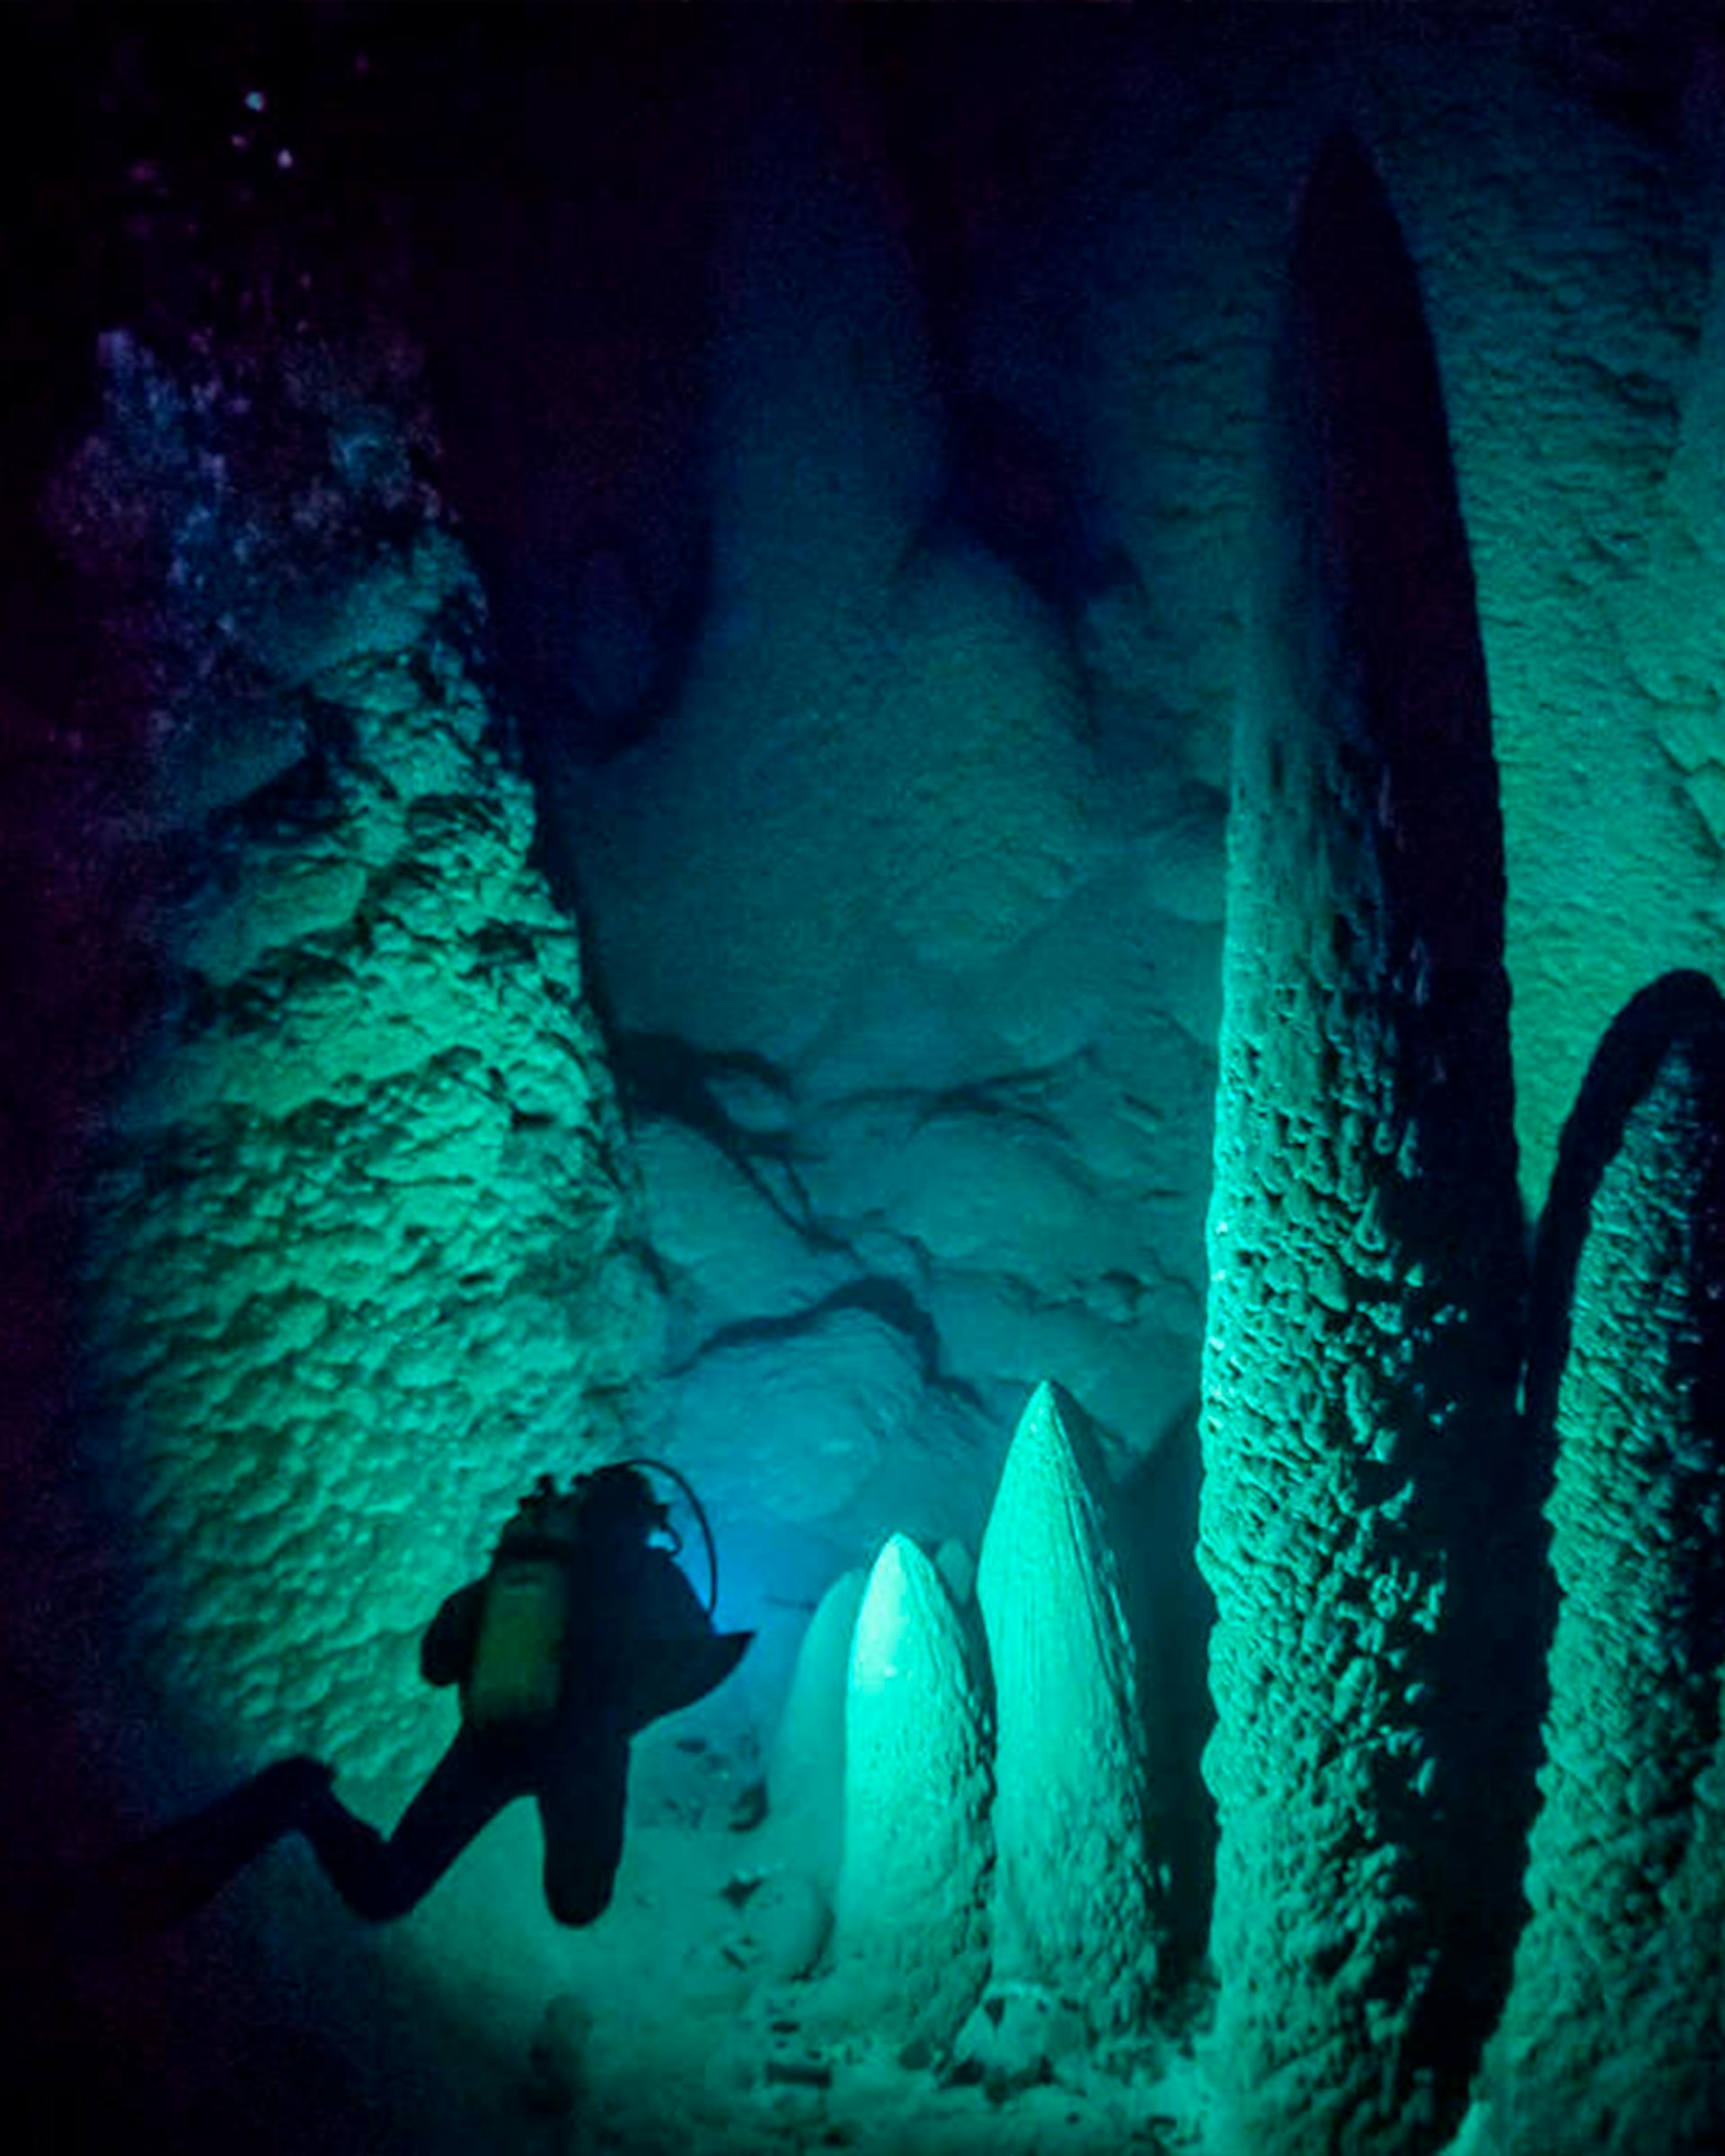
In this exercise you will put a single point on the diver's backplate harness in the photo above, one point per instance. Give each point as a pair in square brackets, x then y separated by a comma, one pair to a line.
[514, 1677]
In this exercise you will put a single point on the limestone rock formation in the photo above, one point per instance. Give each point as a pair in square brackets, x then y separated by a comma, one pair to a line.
[1076, 1896]
[1614, 2033]
[1361, 1468]
[910, 1933]
[360, 1249]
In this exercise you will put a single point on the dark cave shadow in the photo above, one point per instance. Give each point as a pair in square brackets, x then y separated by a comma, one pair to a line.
[1170, 1610]
[269, 2021]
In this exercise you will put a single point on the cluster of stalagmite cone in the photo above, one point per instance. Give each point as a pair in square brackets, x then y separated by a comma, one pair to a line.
[1395, 1424]
[1385, 1408]
[995, 1817]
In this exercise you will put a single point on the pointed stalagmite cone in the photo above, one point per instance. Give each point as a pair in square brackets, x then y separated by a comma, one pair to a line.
[1076, 1905]
[805, 1775]
[1366, 1526]
[910, 1941]
[1614, 2032]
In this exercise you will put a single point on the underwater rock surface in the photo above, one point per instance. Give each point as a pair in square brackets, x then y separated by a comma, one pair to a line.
[363, 1227]
[877, 849]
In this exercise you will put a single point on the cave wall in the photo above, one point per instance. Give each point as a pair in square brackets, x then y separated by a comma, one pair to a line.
[362, 1226]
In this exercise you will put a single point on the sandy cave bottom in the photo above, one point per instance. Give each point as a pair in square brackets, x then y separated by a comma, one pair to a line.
[668, 2025]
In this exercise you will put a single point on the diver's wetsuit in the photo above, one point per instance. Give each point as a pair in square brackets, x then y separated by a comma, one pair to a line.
[639, 1645]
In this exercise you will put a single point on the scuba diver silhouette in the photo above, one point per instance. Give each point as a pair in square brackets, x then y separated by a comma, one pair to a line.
[582, 1631]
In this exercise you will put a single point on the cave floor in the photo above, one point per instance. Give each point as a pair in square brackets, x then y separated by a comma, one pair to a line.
[672, 2031]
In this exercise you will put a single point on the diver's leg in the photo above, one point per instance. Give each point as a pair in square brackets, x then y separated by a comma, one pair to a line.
[169, 1875]
[581, 1800]
[380, 1877]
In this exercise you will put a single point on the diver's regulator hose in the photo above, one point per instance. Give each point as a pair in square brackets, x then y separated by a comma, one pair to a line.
[664, 1467]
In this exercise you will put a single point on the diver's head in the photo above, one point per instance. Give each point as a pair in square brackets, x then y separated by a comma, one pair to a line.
[619, 1501]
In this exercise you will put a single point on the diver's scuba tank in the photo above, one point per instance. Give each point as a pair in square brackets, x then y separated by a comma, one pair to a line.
[515, 1678]
[515, 1675]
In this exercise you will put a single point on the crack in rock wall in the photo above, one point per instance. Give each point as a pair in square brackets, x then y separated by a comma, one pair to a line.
[876, 848]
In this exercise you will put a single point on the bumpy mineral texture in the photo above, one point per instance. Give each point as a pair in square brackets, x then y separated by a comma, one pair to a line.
[1360, 1466]
[910, 1936]
[1614, 2033]
[1077, 1899]
[359, 1248]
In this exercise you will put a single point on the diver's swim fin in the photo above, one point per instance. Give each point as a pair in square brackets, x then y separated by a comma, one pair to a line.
[169, 1875]
[665, 1675]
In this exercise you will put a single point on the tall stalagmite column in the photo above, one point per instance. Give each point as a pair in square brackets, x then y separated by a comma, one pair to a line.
[1076, 1902]
[1615, 2034]
[1363, 1487]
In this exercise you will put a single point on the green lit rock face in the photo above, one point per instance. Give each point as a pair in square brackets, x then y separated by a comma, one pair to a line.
[1613, 2037]
[910, 1935]
[1076, 1896]
[1359, 1427]
[359, 1249]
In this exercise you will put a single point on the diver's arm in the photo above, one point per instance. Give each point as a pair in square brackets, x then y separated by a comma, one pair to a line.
[448, 1647]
